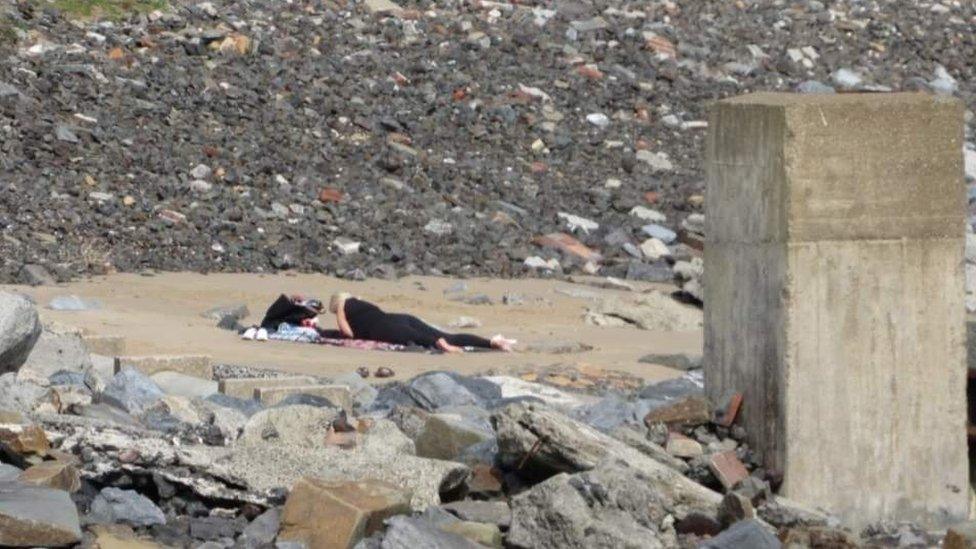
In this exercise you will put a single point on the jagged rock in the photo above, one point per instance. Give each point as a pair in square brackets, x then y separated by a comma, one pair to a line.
[262, 530]
[543, 443]
[216, 528]
[439, 389]
[113, 505]
[355, 509]
[413, 532]
[56, 351]
[611, 505]
[19, 330]
[52, 474]
[132, 391]
[490, 512]
[363, 394]
[300, 424]
[785, 513]
[31, 516]
[639, 442]
[446, 436]
[746, 534]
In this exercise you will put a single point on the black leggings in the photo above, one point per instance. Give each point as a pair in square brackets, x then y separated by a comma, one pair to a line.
[410, 330]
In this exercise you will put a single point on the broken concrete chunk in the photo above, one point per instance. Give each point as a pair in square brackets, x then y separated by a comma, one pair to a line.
[32, 516]
[354, 510]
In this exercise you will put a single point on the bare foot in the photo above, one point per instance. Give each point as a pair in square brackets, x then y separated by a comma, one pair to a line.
[502, 343]
[443, 345]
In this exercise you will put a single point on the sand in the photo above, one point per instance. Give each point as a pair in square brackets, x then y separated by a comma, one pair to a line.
[161, 314]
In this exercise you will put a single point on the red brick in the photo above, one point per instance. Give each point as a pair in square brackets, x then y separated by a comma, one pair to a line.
[727, 469]
[691, 410]
[589, 71]
[731, 411]
[567, 244]
[330, 194]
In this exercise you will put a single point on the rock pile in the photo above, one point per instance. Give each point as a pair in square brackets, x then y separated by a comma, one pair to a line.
[374, 138]
[440, 460]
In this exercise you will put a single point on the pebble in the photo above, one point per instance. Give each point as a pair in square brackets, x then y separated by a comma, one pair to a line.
[664, 234]
[658, 161]
[599, 120]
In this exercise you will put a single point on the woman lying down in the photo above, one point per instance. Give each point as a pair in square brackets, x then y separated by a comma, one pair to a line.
[358, 319]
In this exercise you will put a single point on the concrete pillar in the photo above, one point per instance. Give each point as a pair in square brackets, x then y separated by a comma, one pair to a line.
[834, 296]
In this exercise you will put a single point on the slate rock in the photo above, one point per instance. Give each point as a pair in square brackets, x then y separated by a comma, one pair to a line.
[33, 516]
[745, 534]
[247, 407]
[363, 394]
[262, 530]
[20, 329]
[132, 391]
[113, 505]
[437, 389]
[491, 512]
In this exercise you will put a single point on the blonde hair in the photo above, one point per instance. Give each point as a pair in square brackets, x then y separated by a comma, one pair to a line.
[337, 300]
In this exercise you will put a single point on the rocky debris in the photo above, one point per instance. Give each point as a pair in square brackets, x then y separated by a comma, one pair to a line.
[611, 505]
[113, 505]
[542, 443]
[19, 330]
[355, 509]
[33, 516]
[747, 533]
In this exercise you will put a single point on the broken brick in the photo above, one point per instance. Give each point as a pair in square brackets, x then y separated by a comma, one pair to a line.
[589, 71]
[691, 410]
[567, 244]
[731, 411]
[727, 468]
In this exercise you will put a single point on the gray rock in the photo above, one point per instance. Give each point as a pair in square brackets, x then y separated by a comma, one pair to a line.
[106, 413]
[132, 391]
[651, 311]
[671, 389]
[678, 361]
[363, 394]
[412, 533]
[262, 530]
[490, 512]
[659, 271]
[608, 413]
[247, 407]
[846, 78]
[20, 329]
[230, 314]
[439, 389]
[610, 506]
[215, 528]
[638, 440]
[73, 303]
[36, 275]
[556, 347]
[745, 534]
[9, 473]
[660, 232]
[20, 396]
[814, 86]
[555, 444]
[112, 506]
[37, 517]
[57, 351]
[65, 133]
[175, 383]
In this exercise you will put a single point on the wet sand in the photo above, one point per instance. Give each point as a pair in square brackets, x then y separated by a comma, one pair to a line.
[161, 314]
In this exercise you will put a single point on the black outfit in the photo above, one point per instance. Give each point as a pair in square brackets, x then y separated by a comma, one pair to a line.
[284, 310]
[370, 322]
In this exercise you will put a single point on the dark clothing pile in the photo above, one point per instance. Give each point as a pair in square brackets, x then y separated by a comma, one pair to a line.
[286, 310]
[368, 321]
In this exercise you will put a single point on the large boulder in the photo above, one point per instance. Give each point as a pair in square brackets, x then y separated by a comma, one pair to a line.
[57, 350]
[541, 442]
[20, 396]
[651, 311]
[20, 328]
[32, 516]
[611, 506]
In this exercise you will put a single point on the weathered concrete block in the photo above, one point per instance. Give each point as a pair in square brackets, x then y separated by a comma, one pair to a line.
[244, 387]
[106, 345]
[193, 365]
[834, 296]
[336, 394]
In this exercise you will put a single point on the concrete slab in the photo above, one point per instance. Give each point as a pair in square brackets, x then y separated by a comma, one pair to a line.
[337, 394]
[193, 365]
[833, 296]
[175, 383]
[108, 345]
[244, 387]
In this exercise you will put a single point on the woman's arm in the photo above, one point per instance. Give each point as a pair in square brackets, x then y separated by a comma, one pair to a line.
[342, 322]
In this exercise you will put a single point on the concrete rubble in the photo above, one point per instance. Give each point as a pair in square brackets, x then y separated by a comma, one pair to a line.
[543, 458]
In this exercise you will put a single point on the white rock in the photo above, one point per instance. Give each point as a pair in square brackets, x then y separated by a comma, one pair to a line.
[574, 222]
[536, 262]
[970, 278]
[200, 186]
[599, 120]
[943, 83]
[658, 161]
[100, 196]
[846, 78]
[647, 214]
[439, 227]
[971, 247]
[970, 161]
[612, 183]
[654, 249]
[201, 171]
[534, 92]
[346, 246]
